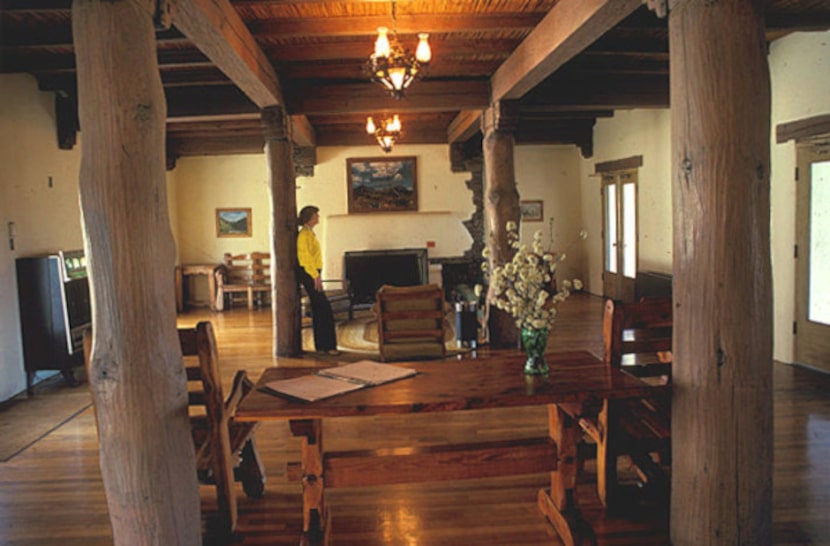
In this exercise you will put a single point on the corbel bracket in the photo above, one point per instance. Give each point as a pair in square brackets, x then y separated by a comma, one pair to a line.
[163, 15]
[659, 7]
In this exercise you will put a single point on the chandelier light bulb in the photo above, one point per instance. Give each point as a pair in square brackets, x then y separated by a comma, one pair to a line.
[370, 125]
[382, 47]
[423, 53]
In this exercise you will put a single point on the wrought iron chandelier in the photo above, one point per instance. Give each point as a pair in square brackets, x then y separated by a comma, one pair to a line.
[386, 132]
[394, 67]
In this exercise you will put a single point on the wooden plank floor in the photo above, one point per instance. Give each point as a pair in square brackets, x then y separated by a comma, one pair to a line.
[52, 492]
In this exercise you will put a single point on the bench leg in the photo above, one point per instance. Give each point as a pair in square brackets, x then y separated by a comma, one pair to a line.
[250, 298]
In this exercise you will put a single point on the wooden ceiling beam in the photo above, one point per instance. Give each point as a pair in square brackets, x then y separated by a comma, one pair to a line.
[404, 24]
[303, 133]
[357, 49]
[466, 124]
[425, 96]
[600, 93]
[355, 69]
[568, 28]
[216, 29]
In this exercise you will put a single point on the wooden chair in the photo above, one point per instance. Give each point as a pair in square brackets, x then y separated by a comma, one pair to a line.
[410, 322]
[225, 449]
[637, 339]
[339, 294]
[247, 275]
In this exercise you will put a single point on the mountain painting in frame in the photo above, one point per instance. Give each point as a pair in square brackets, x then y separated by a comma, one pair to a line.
[233, 222]
[382, 184]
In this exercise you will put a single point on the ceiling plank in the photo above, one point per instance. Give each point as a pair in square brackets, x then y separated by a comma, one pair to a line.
[568, 28]
[216, 29]
[404, 24]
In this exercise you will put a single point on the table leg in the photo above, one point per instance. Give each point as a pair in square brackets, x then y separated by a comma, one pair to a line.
[607, 453]
[179, 290]
[559, 504]
[314, 510]
[212, 289]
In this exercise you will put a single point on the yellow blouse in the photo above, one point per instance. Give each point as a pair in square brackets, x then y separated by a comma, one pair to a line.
[308, 252]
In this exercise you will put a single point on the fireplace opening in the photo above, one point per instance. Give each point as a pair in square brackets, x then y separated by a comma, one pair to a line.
[368, 270]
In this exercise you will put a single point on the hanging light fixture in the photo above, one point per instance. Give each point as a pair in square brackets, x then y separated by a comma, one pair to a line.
[386, 132]
[393, 66]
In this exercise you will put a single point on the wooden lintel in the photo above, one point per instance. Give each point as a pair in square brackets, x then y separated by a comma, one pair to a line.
[435, 463]
[803, 128]
[568, 28]
[632, 162]
[218, 31]
[465, 125]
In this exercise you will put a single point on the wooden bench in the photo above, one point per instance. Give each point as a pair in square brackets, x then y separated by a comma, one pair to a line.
[637, 339]
[225, 448]
[245, 274]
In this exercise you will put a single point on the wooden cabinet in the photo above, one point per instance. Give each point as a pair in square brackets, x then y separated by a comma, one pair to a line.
[53, 297]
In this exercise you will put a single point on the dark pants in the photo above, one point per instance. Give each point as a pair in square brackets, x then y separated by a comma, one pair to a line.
[322, 318]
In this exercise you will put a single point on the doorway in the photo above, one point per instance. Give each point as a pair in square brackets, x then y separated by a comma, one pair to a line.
[812, 285]
[619, 197]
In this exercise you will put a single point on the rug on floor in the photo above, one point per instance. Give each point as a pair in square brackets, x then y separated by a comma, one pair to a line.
[360, 335]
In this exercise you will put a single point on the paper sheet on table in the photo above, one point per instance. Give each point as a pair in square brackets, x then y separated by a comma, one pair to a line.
[312, 387]
[367, 372]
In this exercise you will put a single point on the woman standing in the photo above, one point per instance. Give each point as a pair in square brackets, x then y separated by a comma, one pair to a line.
[310, 265]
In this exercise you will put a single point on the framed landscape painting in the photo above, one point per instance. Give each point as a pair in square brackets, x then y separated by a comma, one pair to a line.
[233, 222]
[531, 210]
[382, 184]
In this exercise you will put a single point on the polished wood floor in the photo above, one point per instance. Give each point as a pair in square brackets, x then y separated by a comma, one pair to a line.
[52, 493]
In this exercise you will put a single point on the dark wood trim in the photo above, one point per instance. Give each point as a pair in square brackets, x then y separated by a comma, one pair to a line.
[632, 162]
[802, 128]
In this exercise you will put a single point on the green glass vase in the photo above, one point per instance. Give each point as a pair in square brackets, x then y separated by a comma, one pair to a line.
[534, 341]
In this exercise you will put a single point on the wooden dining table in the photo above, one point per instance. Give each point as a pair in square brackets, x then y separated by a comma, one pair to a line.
[481, 380]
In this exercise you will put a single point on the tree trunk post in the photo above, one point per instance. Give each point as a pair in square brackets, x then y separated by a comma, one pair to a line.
[136, 374]
[498, 123]
[285, 290]
[722, 406]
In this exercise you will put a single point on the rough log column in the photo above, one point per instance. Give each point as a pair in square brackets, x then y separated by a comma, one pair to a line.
[722, 409]
[136, 373]
[282, 184]
[501, 204]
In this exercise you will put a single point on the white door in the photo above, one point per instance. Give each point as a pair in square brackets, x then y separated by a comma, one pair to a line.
[812, 313]
[619, 195]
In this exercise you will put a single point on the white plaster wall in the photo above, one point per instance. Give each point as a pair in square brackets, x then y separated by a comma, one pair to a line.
[800, 74]
[203, 184]
[444, 202]
[206, 183]
[46, 218]
[551, 173]
[630, 133]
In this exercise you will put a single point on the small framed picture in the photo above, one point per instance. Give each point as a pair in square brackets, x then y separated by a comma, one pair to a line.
[233, 222]
[532, 210]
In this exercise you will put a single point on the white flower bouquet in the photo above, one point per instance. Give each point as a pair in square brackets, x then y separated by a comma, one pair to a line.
[524, 286]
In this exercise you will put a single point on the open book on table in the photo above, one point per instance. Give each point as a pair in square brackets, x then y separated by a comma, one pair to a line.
[329, 382]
